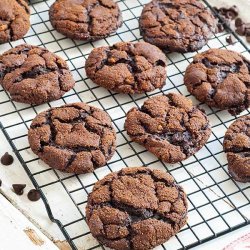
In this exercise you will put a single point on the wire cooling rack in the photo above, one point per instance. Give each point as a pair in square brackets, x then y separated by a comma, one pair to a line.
[217, 204]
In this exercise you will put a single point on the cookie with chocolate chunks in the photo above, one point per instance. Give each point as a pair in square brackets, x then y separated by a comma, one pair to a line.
[127, 67]
[177, 25]
[221, 79]
[74, 138]
[168, 126]
[34, 75]
[237, 147]
[136, 208]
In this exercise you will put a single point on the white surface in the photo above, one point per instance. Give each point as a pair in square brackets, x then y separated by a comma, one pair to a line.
[13, 228]
[209, 181]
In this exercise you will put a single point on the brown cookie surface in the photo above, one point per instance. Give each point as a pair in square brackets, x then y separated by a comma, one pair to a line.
[177, 25]
[14, 20]
[34, 75]
[168, 126]
[136, 209]
[127, 67]
[74, 138]
[221, 79]
[237, 147]
[85, 19]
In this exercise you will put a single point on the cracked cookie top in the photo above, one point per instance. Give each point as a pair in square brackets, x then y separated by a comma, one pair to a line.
[14, 20]
[168, 126]
[128, 67]
[177, 25]
[136, 209]
[34, 75]
[85, 19]
[220, 78]
[74, 138]
[237, 146]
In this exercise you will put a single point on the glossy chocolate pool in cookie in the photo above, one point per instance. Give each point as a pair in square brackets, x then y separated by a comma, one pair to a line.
[169, 126]
[126, 67]
[75, 138]
[135, 209]
[237, 147]
[177, 25]
[220, 78]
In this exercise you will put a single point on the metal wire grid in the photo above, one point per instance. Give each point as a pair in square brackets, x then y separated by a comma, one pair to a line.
[217, 204]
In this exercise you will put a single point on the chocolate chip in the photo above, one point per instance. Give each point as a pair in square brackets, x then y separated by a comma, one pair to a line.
[34, 195]
[238, 22]
[229, 39]
[0, 183]
[7, 159]
[241, 30]
[18, 188]
[231, 14]
[220, 27]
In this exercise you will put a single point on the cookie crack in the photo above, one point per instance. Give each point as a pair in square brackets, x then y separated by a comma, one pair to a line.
[24, 6]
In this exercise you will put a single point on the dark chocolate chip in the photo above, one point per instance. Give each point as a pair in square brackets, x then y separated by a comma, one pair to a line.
[241, 30]
[18, 188]
[7, 159]
[229, 39]
[34, 195]
[0, 183]
[238, 22]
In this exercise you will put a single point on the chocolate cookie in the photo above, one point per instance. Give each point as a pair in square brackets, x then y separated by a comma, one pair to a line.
[168, 126]
[220, 78]
[14, 20]
[74, 138]
[34, 75]
[85, 20]
[177, 25]
[237, 146]
[136, 209]
[127, 67]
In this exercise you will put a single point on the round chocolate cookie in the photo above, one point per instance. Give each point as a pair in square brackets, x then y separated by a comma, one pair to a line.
[14, 20]
[177, 25]
[237, 146]
[85, 20]
[34, 75]
[127, 67]
[221, 79]
[74, 138]
[168, 126]
[136, 209]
